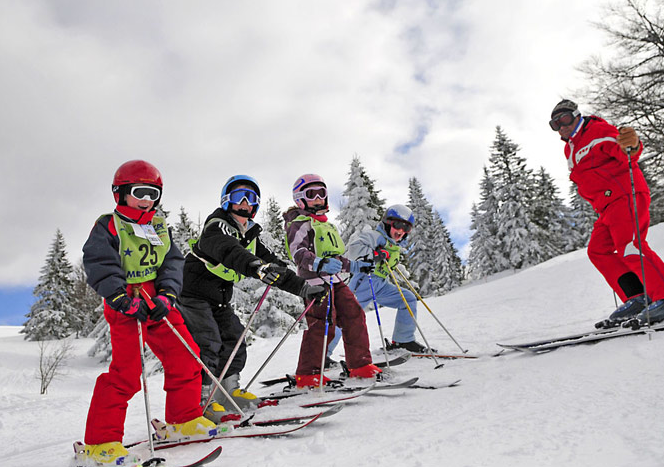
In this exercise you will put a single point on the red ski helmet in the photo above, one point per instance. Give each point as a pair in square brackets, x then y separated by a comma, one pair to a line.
[132, 173]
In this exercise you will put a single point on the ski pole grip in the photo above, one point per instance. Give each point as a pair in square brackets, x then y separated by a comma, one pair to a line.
[147, 298]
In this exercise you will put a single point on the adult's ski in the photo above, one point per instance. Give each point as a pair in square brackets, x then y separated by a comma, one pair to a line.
[591, 337]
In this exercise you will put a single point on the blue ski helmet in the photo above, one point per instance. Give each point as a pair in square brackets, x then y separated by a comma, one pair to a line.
[231, 184]
[398, 213]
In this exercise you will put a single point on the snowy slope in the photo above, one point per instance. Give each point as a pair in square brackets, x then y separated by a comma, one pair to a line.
[579, 406]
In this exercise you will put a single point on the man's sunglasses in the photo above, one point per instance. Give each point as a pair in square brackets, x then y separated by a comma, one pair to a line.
[400, 225]
[145, 192]
[563, 119]
[236, 197]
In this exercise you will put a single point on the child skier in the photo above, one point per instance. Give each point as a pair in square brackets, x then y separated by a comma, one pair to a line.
[228, 249]
[128, 250]
[384, 244]
[317, 249]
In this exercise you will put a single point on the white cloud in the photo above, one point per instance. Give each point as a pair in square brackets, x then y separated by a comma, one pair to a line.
[206, 90]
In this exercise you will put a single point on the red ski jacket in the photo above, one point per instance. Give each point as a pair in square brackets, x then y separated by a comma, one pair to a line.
[599, 167]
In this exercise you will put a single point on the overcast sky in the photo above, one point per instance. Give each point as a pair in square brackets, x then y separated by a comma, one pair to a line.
[274, 89]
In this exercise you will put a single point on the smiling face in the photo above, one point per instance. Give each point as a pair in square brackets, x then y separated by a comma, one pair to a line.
[144, 205]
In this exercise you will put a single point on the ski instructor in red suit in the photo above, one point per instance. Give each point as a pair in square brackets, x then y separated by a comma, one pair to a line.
[598, 156]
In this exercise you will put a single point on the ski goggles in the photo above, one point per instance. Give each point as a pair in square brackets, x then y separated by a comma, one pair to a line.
[563, 119]
[238, 195]
[310, 194]
[145, 192]
[400, 225]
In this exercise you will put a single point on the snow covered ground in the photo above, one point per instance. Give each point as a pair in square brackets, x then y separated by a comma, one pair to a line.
[596, 405]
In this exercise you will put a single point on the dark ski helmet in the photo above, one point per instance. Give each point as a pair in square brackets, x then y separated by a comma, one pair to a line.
[134, 173]
[400, 215]
[299, 192]
[233, 183]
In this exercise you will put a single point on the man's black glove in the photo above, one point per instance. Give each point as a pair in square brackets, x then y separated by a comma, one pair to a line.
[132, 307]
[271, 273]
[316, 293]
[381, 255]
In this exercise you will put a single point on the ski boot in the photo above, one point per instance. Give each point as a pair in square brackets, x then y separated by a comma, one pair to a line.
[198, 428]
[331, 364]
[412, 346]
[310, 381]
[111, 453]
[630, 309]
[651, 315]
[369, 371]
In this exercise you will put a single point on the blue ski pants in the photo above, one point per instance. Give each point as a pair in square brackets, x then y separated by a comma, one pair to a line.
[387, 295]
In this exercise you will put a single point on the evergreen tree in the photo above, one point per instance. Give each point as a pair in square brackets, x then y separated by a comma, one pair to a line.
[358, 212]
[550, 215]
[519, 235]
[183, 231]
[433, 261]
[53, 316]
[446, 258]
[85, 300]
[274, 235]
[486, 254]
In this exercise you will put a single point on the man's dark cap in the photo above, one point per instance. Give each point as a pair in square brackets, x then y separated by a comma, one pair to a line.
[564, 105]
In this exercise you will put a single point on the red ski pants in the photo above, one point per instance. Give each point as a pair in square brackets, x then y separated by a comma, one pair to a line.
[113, 390]
[614, 249]
[349, 316]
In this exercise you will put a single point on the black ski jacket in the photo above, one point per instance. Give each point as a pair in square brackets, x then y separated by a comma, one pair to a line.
[222, 242]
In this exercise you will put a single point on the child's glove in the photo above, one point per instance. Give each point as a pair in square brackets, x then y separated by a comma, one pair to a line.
[271, 273]
[381, 255]
[313, 292]
[327, 265]
[132, 307]
[163, 304]
[365, 267]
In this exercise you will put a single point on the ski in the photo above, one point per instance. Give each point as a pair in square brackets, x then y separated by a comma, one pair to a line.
[314, 397]
[384, 386]
[398, 360]
[295, 419]
[225, 432]
[445, 356]
[154, 461]
[207, 459]
[578, 339]
[437, 386]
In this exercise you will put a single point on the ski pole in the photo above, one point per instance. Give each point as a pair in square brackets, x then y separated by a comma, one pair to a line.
[281, 342]
[327, 326]
[237, 345]
[412, 315]
[146, 396]
[151, 305]
[419, 297]
[380, 326]
[638, 233]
